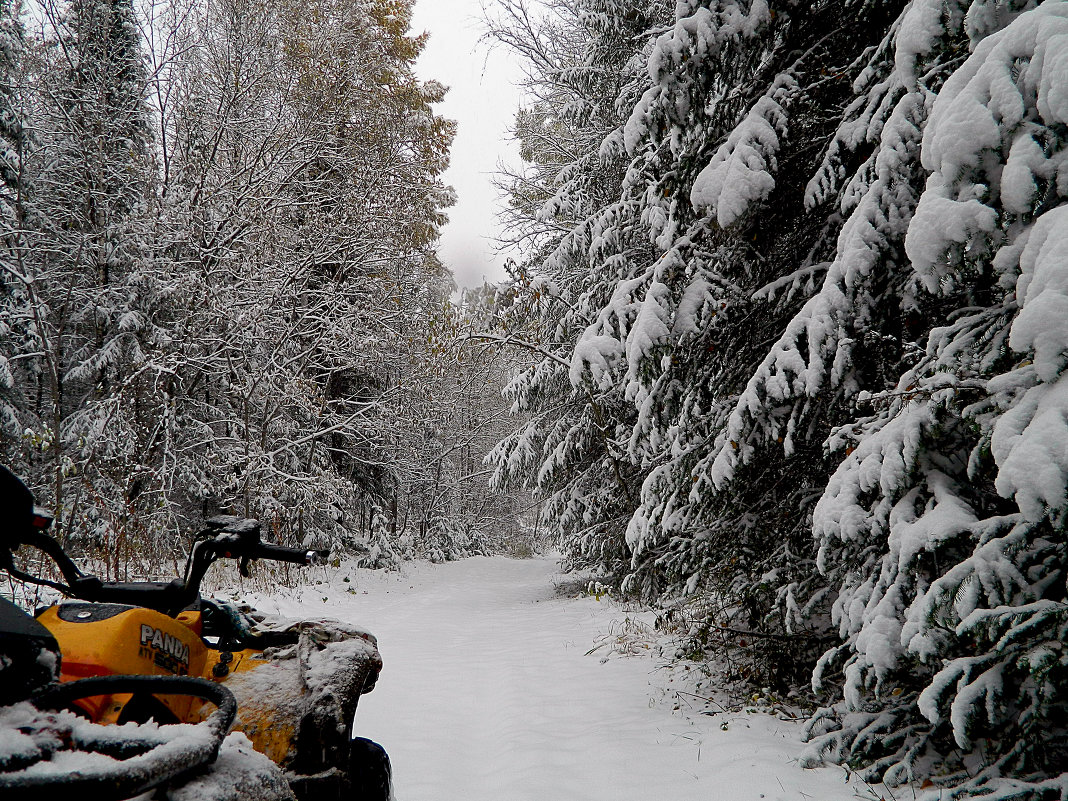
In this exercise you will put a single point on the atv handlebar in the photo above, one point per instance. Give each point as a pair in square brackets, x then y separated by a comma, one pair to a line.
[169, 597]
[280, 553]
[225, 536]
[234, 538]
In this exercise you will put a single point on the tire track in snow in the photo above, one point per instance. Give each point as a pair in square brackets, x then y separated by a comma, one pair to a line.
[487, 695]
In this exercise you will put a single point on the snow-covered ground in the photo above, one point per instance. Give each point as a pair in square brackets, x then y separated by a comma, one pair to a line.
[489, 692]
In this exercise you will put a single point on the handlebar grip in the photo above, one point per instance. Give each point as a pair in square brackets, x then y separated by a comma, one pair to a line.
[280, 553]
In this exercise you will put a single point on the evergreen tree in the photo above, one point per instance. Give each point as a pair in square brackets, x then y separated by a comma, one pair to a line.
[12, 289]
[846, 322]
[685, 275]
[11, 129]
[943, 526]
[96, 293]
[586, 61]
[726, 504]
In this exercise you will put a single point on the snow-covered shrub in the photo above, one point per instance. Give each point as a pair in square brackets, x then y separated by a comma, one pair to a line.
[449, 540]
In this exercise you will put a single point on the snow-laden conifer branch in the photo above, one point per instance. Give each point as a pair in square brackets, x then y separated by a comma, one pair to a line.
[861, 339]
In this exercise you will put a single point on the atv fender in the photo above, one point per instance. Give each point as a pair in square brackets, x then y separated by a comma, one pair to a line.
[297, 702]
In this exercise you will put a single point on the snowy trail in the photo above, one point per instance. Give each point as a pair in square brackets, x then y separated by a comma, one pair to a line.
[487, 693]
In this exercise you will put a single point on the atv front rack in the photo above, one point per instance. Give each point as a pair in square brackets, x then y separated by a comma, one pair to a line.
[63, 753]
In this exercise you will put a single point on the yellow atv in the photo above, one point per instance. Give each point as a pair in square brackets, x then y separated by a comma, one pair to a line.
[133, 689]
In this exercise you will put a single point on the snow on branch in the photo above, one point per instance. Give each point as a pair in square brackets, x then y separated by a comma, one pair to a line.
[741, 172]
[696, 39]
[813, 353]
[981, 112]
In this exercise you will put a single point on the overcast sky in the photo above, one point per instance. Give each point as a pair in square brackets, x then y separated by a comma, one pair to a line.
[482, 99]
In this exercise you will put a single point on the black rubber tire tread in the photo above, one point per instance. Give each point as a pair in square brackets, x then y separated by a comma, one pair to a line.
[138, 769]
[370, 774]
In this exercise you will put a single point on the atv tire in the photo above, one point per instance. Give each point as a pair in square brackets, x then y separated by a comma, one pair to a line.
[370, 774]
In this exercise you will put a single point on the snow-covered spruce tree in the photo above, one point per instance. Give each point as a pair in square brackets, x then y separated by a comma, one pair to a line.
[943, 528]
[725, 110]
[777, 169]
[584, 62]
[12, 42]
[12, 291]
[90, 284]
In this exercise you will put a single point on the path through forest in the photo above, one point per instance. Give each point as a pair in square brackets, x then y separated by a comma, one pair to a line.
[488, 693]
